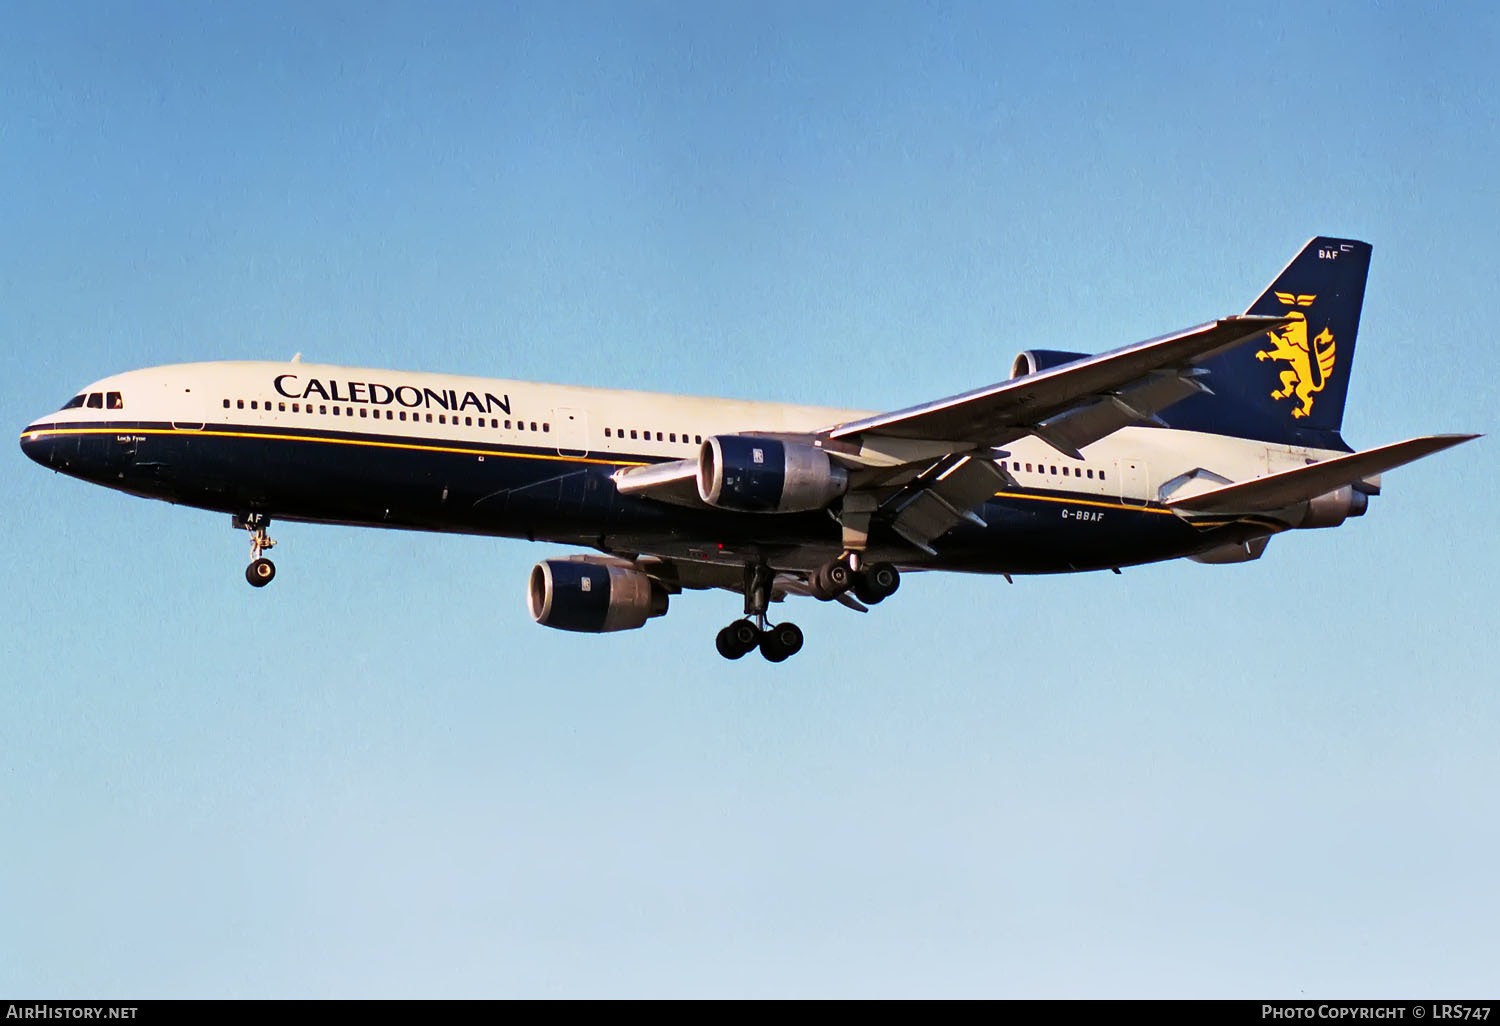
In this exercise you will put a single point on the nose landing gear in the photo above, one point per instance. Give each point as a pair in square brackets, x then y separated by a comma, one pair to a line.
[261, 571]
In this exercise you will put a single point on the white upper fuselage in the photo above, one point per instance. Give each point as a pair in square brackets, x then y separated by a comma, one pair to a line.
[613, 425]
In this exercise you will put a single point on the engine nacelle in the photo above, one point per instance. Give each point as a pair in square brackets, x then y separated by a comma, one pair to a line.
[1333, 508]
[1033, 360]
[763, 475]
[592, 596]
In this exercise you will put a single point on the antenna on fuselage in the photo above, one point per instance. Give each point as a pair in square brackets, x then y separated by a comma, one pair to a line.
[297, 358]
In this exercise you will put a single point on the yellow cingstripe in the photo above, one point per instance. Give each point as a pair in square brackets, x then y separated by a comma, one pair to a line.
[1084, 502]
[494, 452]
[333, 441]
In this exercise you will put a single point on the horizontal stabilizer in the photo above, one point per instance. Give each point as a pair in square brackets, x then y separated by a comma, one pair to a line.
[1278, 491]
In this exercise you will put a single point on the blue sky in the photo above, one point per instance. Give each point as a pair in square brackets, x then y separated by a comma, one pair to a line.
[379, 778]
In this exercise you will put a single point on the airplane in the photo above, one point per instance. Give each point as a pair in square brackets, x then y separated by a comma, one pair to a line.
[1204, 444]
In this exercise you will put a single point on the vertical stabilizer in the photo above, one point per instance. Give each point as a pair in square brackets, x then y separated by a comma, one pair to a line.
[1289, 387]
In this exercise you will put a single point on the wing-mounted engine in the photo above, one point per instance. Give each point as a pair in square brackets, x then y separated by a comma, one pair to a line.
[593, 595]
[1033, 360]
[766, 475]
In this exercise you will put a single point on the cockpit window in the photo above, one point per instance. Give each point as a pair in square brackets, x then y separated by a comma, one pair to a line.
[96, 400]
[113, 401]
[75, 402]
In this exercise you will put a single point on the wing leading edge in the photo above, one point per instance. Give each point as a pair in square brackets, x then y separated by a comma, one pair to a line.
[1072, 405]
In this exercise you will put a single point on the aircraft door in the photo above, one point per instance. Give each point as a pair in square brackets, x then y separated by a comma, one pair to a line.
[187, 409]
[572, 427]
[1134, 481]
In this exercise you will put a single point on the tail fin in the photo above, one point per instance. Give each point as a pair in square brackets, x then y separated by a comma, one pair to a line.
[1290, 386]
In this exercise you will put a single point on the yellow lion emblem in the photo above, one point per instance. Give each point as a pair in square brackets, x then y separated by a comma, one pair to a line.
[1290, 344]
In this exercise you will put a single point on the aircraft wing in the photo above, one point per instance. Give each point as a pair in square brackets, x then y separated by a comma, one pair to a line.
[1073, 405]
[942, 471]
[1278, 491]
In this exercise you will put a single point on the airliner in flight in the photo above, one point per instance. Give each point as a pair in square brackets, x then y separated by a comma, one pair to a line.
[1203, 444]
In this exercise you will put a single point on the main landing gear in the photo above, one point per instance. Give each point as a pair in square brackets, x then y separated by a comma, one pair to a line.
[776, 643]
[870, 584]
[261, 571]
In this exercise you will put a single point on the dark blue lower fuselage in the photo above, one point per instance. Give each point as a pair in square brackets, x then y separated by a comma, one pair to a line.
[383, 480]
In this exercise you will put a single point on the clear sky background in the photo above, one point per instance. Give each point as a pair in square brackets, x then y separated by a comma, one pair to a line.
[379, 778]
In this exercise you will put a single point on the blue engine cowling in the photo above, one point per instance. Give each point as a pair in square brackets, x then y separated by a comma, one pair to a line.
[764, 475]
[1034, 360]
[592, 596]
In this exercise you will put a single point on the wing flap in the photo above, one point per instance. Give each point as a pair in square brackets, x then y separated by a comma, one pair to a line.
[1070, 431]
[945, 496]
[1278, 491]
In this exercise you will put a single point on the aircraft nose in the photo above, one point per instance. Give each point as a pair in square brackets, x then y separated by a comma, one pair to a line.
[35, 444]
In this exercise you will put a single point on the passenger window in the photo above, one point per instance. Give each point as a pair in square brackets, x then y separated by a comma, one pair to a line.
[323, 409]
[335, 411]
[1054, 471]
[632, 432]
[113, 401]
[226, 404]
[239, 404]
[429, 418]
[75, 402]
[349, 410]
[494, 422]
[507, 425]
[253, 406]
[672, 437]
[1101, 475]
[281, 407]
[1028, 468]
[442, 418]
[468, 422]
[403, 415]
[389, 415]
[606, 432]
[296, 407]
[658, 436]
[546, 427]
[363, 412]
[533, 425]
[1090, 473]
[96, 400]
[698, 439]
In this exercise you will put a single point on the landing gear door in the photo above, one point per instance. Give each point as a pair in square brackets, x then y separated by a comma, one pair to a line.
[572, 427]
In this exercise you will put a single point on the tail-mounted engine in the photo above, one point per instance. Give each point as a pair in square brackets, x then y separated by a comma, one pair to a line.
[1333, 508]
[593, 595]
[1035, 360]
[764, 475]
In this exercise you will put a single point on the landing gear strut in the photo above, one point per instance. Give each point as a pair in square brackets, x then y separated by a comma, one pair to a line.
[776, 643]
[261, 571]
[870, 584]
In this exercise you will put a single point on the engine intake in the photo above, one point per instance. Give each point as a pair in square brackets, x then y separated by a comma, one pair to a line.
[1034, 360]
[763, 475]
[592, 595]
